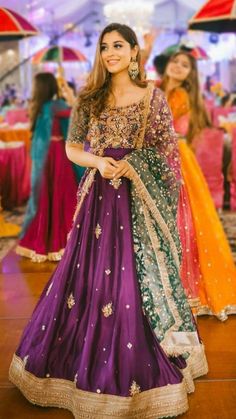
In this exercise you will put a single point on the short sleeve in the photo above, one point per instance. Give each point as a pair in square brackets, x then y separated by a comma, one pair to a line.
[79, 121]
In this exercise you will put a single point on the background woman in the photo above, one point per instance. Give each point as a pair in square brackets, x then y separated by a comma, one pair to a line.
[217, 282]
[114, 323]
[53, 182]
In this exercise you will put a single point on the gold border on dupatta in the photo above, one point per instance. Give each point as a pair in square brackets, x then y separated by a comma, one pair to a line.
[196, 367]
[170, 400]
[162, 269]
[147, 102]
[84, 191]
[194, 302]
[147, 199]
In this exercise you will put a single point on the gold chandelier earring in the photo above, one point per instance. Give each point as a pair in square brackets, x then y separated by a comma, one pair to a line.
[133, 69]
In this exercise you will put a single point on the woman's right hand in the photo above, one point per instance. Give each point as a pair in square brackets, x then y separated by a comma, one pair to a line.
[107, 167]
[68, 93]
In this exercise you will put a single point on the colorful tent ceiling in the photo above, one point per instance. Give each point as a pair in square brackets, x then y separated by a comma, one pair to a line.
[13, 26]
[215, 16]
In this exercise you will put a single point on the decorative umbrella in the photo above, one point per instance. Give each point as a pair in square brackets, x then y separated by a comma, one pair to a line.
[197, 52]
[58, 54]
[215, 16]
[13, 26]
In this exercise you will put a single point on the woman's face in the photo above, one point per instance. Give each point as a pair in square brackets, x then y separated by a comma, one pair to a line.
[116, 52]
[179, 68]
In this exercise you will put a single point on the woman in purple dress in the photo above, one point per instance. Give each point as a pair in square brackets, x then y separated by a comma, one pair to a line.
[113, 334]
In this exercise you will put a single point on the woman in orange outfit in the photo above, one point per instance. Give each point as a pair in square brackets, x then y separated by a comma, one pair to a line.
[216, 286]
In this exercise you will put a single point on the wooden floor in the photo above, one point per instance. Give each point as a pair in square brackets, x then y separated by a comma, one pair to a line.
[21, 283]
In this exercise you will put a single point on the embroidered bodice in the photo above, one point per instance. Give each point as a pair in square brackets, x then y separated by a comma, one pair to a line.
[147, 123]
[117, 127]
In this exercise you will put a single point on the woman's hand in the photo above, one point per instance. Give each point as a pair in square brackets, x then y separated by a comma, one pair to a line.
[68, 93]
[107, 167]
[123, 169]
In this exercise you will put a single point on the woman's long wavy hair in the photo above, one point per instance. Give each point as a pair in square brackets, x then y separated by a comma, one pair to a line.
[98, 86]
[45, 88]
[199, 118]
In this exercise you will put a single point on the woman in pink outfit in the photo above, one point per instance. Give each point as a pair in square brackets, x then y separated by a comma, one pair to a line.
[53, 181]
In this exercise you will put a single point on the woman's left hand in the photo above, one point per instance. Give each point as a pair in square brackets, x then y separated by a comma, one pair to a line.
[123, 169]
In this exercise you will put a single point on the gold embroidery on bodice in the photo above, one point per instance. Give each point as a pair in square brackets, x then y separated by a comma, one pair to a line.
[117, 127]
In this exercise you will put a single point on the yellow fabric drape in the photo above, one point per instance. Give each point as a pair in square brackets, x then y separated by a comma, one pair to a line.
[217, 287]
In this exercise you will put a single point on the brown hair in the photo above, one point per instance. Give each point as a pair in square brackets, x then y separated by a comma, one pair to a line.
[45, 87]
[98, 86]
[199, 118]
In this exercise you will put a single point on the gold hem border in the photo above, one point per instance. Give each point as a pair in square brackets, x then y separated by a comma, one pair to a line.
[196, 367]
[170, 400]
[196, 362]
[211, 19]
[25, 33]
[37, 257]
[221, 315]
[194, 302]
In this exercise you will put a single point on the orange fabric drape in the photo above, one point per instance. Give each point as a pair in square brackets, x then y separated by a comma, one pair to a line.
[217, 287]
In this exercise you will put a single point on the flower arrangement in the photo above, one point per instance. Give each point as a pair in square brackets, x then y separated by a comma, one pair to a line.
[217, 90]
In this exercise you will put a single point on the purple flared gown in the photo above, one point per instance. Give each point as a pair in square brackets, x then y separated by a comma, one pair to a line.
[90, 345]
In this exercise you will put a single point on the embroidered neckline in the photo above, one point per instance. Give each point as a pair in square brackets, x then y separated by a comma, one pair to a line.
[138, 102]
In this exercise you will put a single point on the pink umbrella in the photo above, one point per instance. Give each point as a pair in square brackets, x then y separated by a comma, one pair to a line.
[58, 54]
[215, 16]
[13, 26]
[197, 52]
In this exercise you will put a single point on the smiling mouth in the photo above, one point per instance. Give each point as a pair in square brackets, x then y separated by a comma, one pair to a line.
[112, 62]
[176, 71]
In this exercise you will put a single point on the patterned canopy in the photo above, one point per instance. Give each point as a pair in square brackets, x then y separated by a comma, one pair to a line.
[215, 16]
[58, 54]
[197, 52]
[13, 26]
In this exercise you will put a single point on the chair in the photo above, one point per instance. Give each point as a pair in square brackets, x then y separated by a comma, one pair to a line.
[15, 116]
[209, 153]
[220, 111]
[14, 174]
[233, 182]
